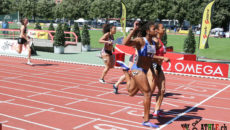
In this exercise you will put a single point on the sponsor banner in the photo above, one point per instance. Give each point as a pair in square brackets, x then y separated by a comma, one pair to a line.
[180, 56]
[10, 46]
[123, 18]
[206, 25]
[183, 31]
[125, 49]
[197, 68]
[38, 34]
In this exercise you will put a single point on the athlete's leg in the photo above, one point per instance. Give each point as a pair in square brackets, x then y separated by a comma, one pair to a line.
[107, 67]
[143, 85]
[161, 90]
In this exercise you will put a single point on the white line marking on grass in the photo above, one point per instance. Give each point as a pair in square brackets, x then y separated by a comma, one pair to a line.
[76, 101]
[86, 123]
[38, 112]
[123, 109]
[46, 126]
[175, 118]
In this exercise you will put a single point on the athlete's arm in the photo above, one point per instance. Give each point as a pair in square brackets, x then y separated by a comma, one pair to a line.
[128, 41]
[103, 39]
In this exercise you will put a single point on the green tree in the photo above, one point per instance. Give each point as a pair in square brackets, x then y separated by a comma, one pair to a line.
[161, 8]
[164, 39]
[51, 27]
[85, 35]
[45, 8]
[37, 26]
[194, 14]
[221, 13]
[59, 38]
[105, 9]
[5, 6]
[66, 29]
[179, 11]
[58, 12]
[190, 43]
[76, 30]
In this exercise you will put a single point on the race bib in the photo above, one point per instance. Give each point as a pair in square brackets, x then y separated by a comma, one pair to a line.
[151, 49]
[154, 65]
[164, 49]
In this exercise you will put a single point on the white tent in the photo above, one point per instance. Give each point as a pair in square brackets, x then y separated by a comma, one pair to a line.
[81, 20]
[217, 30]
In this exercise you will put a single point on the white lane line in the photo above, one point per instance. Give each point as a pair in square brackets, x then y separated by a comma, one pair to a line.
[68, 108]
[13, 127]
[86, 123]
[38, 112]
[181, 114]
[123, 109]
[74, 115]
[170, 104]
[2, 122]
[46, 126]
[70, 87]
[39, 94]
[76, 101]
[7, 101]
[213, 120]
[104, 94]
[72, 98]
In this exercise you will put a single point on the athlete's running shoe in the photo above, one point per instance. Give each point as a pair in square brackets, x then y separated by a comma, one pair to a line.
[102, 81]
[115, 89]
[149, 124]
[29, 63]
[160, 114]
[123, 65]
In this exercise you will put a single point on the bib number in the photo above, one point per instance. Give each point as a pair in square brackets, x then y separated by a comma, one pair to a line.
[151, 50]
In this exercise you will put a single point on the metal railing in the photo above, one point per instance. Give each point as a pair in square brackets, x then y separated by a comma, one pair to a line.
[14, 34]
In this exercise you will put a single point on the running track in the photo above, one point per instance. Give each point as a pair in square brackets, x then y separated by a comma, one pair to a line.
[55, 95]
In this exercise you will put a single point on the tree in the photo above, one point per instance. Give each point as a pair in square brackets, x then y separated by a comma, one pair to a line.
[179, 11]
[161, 8]
[38, 26]
[5, 6]
[195, 11]
[51, 27]
[85, 35]
[221, 14]
[76, 30]
[25, 8]
[164, 39]
[190, 43]
[66, 29]
[59, 38]
[45, 8]
[105, 9]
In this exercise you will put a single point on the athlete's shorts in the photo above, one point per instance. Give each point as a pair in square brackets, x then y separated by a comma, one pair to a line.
[22, 41]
